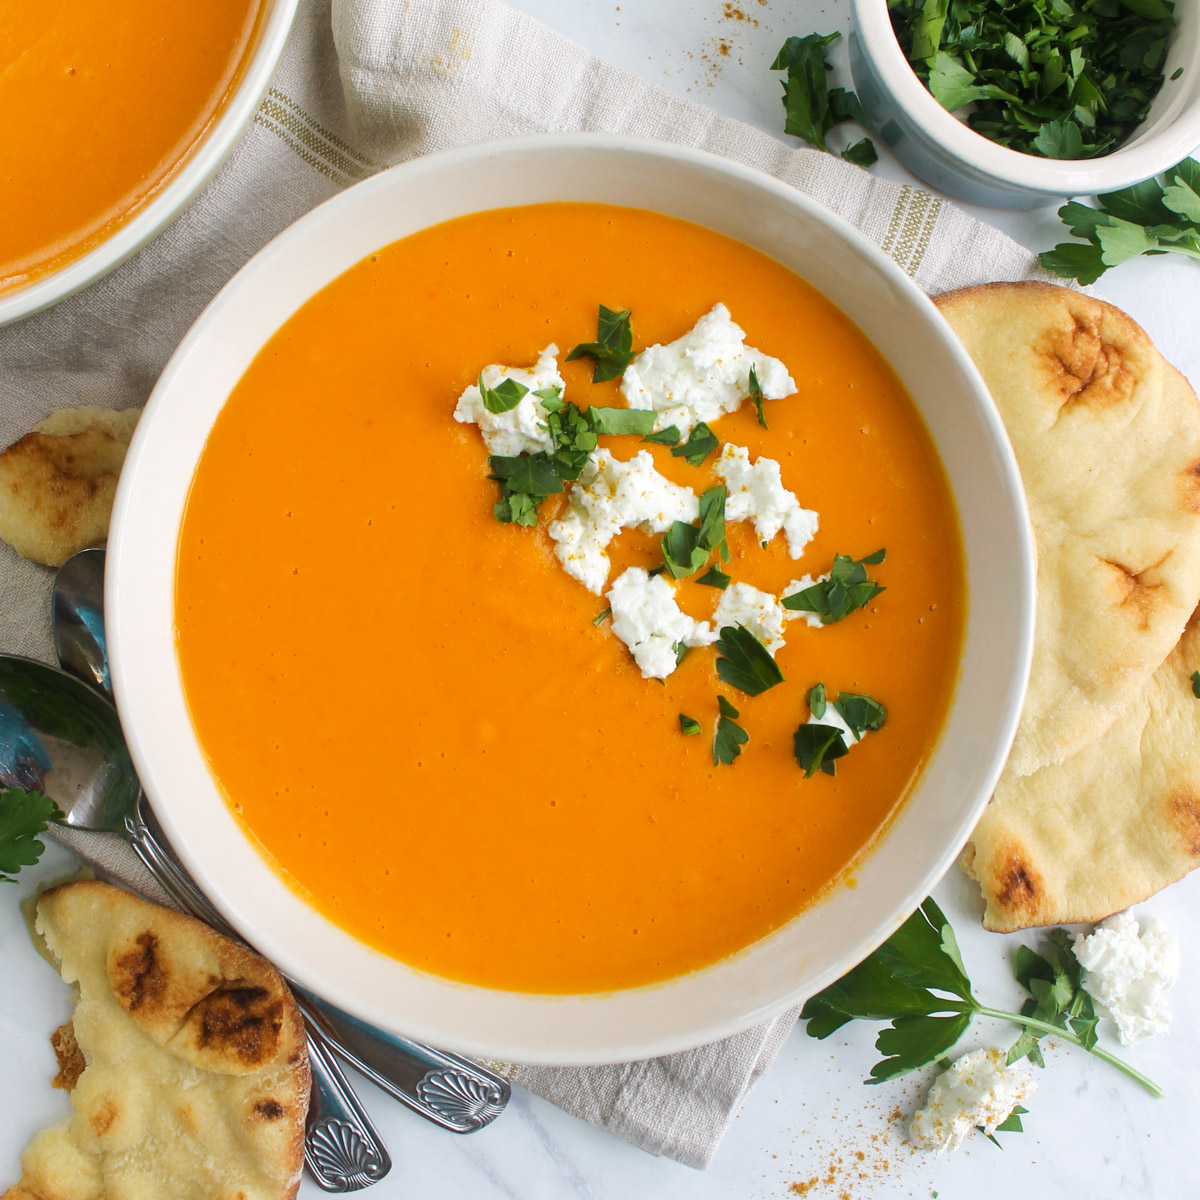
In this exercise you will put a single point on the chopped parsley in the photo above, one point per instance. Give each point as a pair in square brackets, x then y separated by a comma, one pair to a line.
[1057, 78]
[700, 444]
[664, 437]
[600, 619]
[23, 817]
[1195, 677]
[621, 420]
[757, 396]
[743, 661]
[715, 577]
[845, 589]
[728, 737]
[812, 109]
[688, 726]
[505, 395]
[612, 351]
[686, 547]
[816, 746]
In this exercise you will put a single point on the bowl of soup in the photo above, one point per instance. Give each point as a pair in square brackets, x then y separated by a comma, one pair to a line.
[508, 745]
[114, 119]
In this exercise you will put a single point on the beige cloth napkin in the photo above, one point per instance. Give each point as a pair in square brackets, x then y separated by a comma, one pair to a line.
[367, 83]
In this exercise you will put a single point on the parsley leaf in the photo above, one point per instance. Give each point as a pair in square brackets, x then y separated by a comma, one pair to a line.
[845, 589]
[700, 444]
[505, 395]
[816, 746]
[525, 480]
[756, 394]
[664, 437]
[861, 713]
[688, 726]
[816, 700]
[743, 661]
[682, 551]
[715, 577]
[1195, 677]
[728, 737]
[811, 109]
[598, 621]
[621, 420]
[1053, 77]
[1151, 217]
[612, 351]
[712, 520]
[917, 981]
[23, 816]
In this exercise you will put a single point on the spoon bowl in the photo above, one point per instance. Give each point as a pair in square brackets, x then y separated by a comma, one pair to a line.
[78, 619]
[59, 737]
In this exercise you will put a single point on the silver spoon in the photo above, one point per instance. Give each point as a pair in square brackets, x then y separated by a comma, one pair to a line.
[60, 738]
[447, 1089]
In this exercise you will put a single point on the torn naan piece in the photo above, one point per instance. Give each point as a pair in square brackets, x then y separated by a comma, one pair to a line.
[57, 482]
[1107, 437]
[186, 1060]
[1109, 827]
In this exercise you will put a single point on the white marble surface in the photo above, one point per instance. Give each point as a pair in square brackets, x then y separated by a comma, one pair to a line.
[1090, 1132]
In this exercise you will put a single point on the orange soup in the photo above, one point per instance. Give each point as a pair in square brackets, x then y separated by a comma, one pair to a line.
[100, 103]
[431, 730]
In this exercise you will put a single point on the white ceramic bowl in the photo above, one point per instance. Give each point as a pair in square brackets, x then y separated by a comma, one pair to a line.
[939, 148]
[820, 944]
[198, 168]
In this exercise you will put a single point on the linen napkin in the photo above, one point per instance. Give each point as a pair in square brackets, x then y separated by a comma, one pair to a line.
[368, 83]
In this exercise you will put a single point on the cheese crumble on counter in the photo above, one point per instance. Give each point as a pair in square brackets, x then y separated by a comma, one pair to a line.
[1129, 972]
[977, 1090]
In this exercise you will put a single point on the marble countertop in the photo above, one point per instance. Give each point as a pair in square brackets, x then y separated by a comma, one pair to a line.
[810, 1126]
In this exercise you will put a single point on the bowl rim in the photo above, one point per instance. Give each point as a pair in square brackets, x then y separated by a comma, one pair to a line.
[199, 165]
[1143, 155]
[136, 700]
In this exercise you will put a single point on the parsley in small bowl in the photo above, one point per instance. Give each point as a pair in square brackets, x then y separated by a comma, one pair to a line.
[1020, 104]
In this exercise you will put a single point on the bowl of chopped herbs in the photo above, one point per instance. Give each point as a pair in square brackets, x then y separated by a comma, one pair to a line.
[1019, 104]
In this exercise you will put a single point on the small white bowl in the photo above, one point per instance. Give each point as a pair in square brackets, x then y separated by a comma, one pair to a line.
[939, 148]
[199, 167]
[818, 945]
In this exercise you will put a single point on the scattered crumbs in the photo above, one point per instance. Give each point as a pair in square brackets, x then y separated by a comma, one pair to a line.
[732, 12]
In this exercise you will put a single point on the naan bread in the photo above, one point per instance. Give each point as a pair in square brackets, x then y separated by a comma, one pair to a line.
[1112, 825]
[1107, 436]
[57, 483]
[195, 1084]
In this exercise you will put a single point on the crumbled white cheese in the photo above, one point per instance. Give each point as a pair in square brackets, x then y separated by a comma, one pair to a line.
[756, 493]
[522, 429]
[702, 375]
[758, 611]
[800, 585]
[831, 716]
[977, 1090]
[647, 619]
[611, 495]
[1129, 973]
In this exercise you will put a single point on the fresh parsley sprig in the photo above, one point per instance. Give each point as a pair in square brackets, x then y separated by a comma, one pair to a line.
[917, 981]
[24, 816]
[612, 351]
[728, 736]
[1147, 218]
[812, 109]
[845, 589]
[743, 661]
[506, 395]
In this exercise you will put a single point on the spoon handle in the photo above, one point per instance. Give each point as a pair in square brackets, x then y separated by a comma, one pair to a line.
[447, 1089]
[342, 1148]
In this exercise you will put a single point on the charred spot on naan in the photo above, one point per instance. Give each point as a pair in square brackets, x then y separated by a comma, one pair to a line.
[1141, 591]
[1017, 888]
[1184, 808]
[1084, 366]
